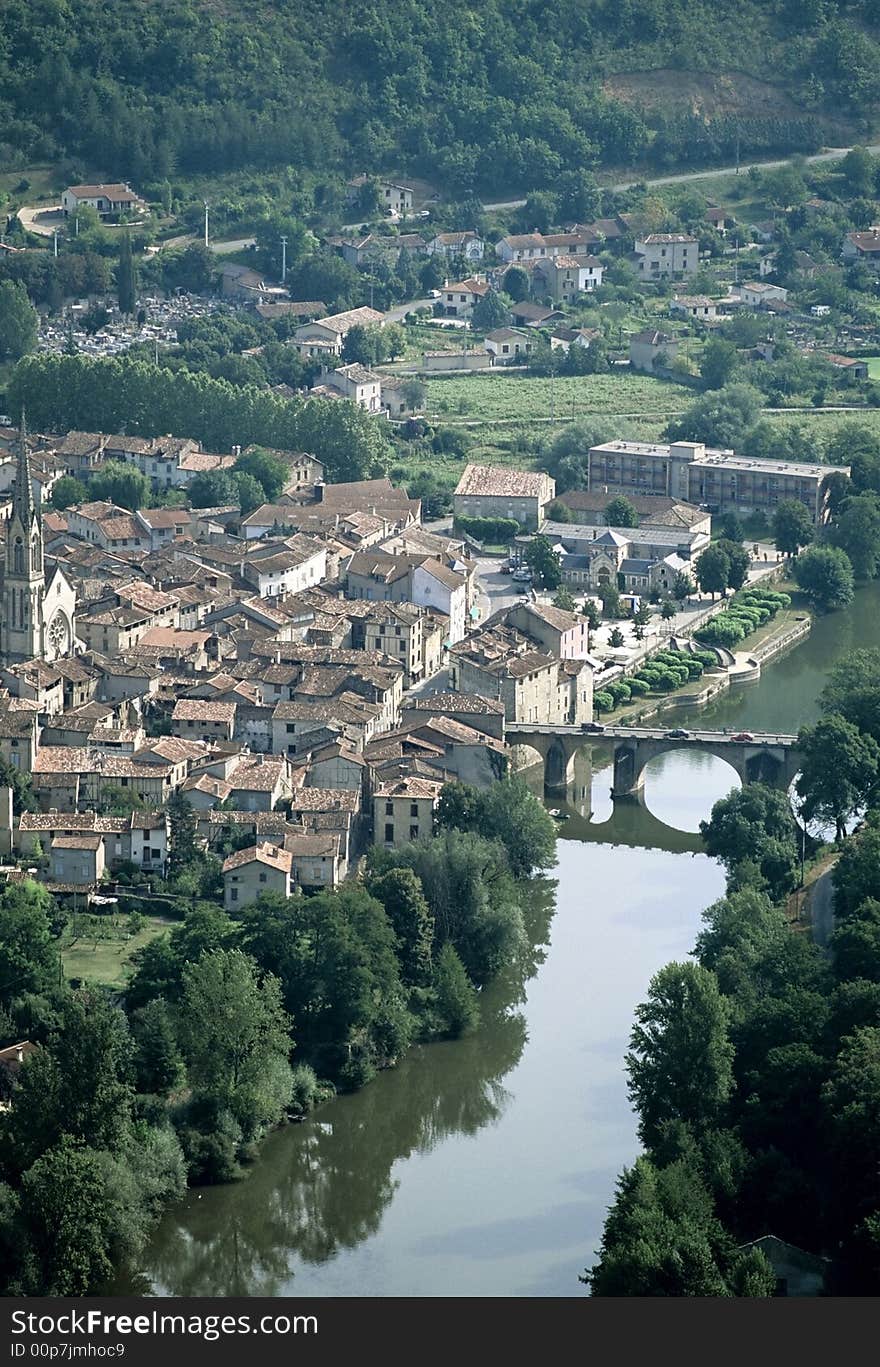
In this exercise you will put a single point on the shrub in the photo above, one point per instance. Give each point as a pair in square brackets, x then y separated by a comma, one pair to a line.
[497, 530]
[603, 701]
[638, 687]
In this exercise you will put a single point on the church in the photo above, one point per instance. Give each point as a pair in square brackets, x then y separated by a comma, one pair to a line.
[38, 618]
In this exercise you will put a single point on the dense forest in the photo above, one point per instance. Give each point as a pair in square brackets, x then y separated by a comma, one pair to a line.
[480, 97]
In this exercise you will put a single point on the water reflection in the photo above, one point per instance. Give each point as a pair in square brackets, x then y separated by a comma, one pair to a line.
[324, 1186]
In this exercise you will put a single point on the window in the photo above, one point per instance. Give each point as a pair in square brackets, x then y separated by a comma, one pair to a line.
[389, 833]
[413, 832]
[413, 809]
[233, 894]
[291, 728]
[389, 808]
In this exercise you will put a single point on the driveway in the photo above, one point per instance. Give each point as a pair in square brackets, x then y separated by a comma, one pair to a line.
[399, 312]
[43, 219]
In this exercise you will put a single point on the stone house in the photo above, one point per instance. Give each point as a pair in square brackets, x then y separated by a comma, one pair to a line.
[403, 810]
[663, 255]
[259, 868]
[648, 348]
[498, 491]
[563, 278]
[508, 346]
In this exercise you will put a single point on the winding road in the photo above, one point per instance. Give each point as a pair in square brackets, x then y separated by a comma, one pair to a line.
[833, 154]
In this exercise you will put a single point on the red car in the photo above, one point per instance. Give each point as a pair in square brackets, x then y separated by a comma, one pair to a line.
[743, 735]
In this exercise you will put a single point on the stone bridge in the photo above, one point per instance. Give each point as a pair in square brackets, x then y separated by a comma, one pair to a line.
[755, 756]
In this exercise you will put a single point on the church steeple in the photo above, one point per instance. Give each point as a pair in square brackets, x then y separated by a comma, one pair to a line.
[22, 627]
[23, 501]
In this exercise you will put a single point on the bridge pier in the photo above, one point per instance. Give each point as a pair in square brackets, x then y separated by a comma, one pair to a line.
[559, 765]
[629, 776]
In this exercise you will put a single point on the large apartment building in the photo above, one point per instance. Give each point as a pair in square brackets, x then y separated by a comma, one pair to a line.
[718, 480]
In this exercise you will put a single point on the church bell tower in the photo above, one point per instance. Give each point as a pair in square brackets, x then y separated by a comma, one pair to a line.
[22, 630]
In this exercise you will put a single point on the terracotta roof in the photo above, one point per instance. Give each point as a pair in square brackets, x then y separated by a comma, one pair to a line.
[410, 787]
[199, 709]
[500, 481]
[264, 853]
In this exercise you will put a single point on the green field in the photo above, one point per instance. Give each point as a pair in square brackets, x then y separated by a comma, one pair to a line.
[524, 398]
[873, 366]
[100, 951]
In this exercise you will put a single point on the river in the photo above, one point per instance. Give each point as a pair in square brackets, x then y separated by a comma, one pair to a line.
[484, 1167]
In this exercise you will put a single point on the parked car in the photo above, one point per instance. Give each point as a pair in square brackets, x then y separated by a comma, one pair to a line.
[522, 575]
[592, 726]
[743, 735]
[505, 567]
[678, 733]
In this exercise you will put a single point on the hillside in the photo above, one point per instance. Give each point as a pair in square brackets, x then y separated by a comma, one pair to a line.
[491, 96]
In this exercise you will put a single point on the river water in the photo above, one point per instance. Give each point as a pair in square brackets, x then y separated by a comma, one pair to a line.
[484, 1167]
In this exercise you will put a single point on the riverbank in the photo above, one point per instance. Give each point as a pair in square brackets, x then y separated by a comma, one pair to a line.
[782, 633]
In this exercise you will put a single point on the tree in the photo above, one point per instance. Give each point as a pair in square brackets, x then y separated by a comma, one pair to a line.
[233, 1032]
[713, 570]
[610, 598]
[212, 489]
[667, 610]
[76, 1085]
[737, 560]
[456, 1000]
[67, 491]
[680, 1062]
[855, 944]
[826, 576]
[248, 491]
[516, 283]
[856, 874]
[182, 841]
[853, 691]
[731, 527]
[720, 418]
[66, 1211]
[592, 614]
[157, 1059]
[857, 446]
[490, 312]
[719, 360]
[29, 962]
[400, 893]
[839, 771]
[616, 639]
[18, 321]
[662, 1238]
[125, 276]
[792, 526]
[856, 530]
[267, 469]
[544, 562]
[755, 825]
[564, 599]
[621, 513]
[122, 484]
[682, 586]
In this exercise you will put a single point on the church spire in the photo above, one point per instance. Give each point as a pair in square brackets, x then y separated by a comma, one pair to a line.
[23, 502]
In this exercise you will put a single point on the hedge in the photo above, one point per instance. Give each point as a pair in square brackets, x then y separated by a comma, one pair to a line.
[498, 531]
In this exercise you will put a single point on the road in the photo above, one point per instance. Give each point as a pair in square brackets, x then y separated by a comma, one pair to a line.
[399, 312]
[833, 154]
[652, 733]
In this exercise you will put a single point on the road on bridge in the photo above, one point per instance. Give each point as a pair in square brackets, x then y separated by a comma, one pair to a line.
[651, 733]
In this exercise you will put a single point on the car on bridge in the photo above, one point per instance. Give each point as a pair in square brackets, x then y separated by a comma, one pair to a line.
[743, 735]
[592, 726]
[678, 734]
